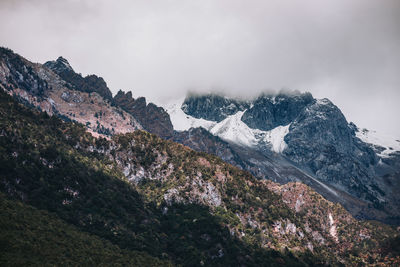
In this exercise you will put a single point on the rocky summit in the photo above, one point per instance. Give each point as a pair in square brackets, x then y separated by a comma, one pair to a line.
[89, 84]
[153, 118]
[212, 107]
[268, 112]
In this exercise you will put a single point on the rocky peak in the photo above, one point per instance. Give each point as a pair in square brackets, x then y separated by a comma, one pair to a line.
[93, 83]
[128, 95]
[139, 103]
[321, 140]
[59, 65]
[270, 111]
[324, 121]
[153, 118]
[88, 84]
[64, 62]
[121, 96]
[212, 107]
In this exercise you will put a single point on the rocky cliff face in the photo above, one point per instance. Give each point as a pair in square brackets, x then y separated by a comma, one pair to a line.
[89, 84]
[16, 72]
[153, 118]
[212, 107]
[320, 139]
[270, 111]
[200, 139]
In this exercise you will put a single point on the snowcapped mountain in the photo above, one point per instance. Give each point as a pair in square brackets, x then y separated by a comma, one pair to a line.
[295, 137]
[282, 137]
[235, 126]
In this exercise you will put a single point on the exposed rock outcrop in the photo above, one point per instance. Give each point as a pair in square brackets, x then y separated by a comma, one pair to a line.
[44, 88]
[153, 118]
[89, 84]
[212, 107]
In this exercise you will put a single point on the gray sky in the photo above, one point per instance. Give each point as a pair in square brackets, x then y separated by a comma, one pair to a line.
[345, 50]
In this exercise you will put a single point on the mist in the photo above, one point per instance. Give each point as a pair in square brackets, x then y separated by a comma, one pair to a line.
[344, 50]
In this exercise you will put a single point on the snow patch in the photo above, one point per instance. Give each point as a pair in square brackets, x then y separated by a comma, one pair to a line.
[332, 229]
[276, 137]
[182, 121]
[299, 203]
[387, 142]
[323, 101]
[234, 130]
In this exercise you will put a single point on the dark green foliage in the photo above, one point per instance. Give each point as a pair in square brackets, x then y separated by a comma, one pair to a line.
[32, 237]
[391, 247]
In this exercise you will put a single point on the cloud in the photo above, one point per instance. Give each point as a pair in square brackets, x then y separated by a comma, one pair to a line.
[348, 51]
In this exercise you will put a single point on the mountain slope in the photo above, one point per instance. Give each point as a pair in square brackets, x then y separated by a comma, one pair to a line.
[294, 137]
[189, 205]
[39, 86]
[77, 177]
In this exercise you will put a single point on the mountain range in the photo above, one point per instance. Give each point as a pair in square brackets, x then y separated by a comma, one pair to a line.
[295, 137]
[282, 179]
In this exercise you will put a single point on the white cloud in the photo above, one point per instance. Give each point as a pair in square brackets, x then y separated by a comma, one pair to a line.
[346, 50]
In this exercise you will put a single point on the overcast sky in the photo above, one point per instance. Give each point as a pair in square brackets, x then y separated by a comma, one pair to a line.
[345, 50]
